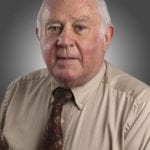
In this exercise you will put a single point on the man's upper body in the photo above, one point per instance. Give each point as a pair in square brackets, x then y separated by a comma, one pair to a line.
[111, 109]
[111, 112]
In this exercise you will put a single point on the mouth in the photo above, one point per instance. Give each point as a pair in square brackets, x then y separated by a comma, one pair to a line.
[64, 60]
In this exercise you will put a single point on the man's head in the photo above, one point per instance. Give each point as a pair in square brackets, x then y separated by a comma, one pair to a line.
[74, 36]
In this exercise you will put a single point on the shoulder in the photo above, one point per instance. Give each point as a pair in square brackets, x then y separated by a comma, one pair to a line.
[125, 83]
[24, 89]
[35, 76]
[28, 83]
[130, 93]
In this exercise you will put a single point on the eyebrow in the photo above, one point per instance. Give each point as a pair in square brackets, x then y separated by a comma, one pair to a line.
[80, 19]
[51, 21]
[77, 19]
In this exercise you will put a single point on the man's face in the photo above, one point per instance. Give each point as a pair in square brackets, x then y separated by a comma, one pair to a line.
[72, 45]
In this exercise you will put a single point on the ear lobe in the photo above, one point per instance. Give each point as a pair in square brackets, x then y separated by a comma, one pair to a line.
[37, 33]
[108, 36]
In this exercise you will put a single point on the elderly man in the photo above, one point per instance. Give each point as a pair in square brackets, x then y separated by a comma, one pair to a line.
[80, 102]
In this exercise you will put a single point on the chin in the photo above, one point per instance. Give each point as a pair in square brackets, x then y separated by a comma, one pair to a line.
[68, 79]
[65, 77]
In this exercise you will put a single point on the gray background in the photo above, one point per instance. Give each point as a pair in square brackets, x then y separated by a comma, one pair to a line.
[20, 52]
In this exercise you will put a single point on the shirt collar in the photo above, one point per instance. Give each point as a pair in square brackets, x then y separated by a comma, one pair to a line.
[80, 92]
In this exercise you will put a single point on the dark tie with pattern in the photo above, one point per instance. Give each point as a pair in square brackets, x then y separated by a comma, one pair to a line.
[53, 138]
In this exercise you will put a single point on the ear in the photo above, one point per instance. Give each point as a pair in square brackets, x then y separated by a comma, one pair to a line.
[37, 33]
[108, 36]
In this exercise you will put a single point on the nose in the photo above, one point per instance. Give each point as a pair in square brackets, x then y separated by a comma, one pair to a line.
[66, 38]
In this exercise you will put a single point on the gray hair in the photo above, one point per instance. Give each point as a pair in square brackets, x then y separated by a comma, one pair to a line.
[103, 11]
[102, 8]
[105, 16]
[39, 15]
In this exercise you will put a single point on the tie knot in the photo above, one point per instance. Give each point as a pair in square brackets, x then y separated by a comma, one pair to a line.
[62, 95]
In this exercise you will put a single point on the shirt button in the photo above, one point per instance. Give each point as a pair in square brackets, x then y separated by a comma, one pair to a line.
[62, 120]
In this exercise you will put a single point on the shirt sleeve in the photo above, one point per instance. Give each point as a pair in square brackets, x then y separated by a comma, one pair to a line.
[3, 110]
[137, 127]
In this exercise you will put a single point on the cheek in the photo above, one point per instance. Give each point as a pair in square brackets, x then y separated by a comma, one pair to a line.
[93, 52]
[48, 51]
[93, 58]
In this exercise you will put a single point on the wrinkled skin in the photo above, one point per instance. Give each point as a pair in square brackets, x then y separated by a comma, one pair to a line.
[71, 41]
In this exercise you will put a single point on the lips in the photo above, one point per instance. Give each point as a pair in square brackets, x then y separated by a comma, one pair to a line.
[66, 60]
[67, 54]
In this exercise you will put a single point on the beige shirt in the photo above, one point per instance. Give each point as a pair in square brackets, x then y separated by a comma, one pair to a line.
[110, 112]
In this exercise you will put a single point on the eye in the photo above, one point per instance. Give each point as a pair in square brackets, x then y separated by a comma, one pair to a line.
[55, 28]
[80, 28]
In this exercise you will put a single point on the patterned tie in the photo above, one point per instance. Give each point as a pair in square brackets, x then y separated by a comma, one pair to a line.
[53, 138]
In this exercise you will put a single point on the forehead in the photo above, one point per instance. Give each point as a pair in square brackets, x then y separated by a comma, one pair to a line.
[61, 9]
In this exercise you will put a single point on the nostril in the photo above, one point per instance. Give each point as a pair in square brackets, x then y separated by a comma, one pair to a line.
[59, 41]
[63, 43]
[71, 45]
